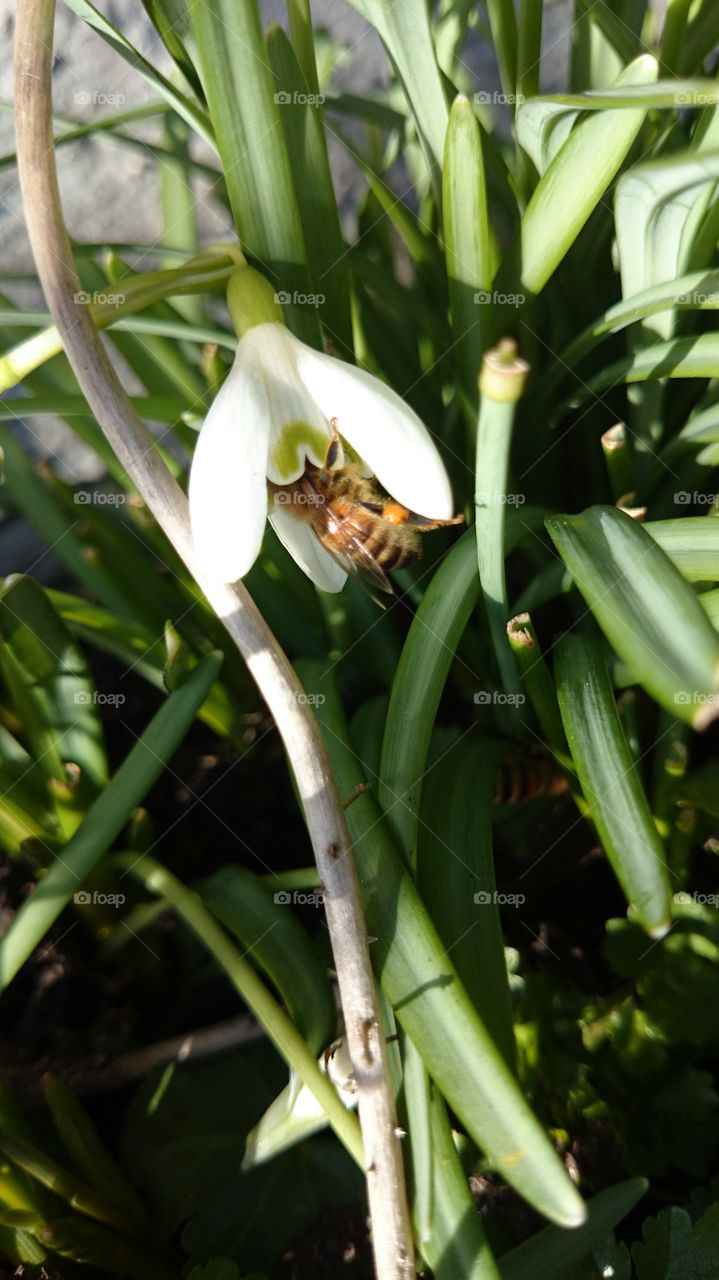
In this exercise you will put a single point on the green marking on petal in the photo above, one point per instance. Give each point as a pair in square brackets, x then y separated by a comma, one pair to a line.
[297, 441]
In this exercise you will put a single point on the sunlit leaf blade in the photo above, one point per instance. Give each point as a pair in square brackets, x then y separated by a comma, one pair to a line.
[457, 1245]
[469, 243]
[692, 544]
[206, 271]
[572, 186]
[542, 129]
[646, 609]
[404, 30]
[663, 93]
[105, 820]
[551, 1251]
[612, 787]
[455, 874]
[182, 104]
[424, 665]
[429, 999]
[307, 149]
[244, 101]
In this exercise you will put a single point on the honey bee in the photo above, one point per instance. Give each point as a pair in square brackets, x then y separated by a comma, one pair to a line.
[366, 533]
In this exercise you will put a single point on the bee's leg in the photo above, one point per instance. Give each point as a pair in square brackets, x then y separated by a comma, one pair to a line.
[333, 448]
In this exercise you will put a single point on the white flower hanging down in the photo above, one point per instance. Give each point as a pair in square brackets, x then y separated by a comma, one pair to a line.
[272, 445]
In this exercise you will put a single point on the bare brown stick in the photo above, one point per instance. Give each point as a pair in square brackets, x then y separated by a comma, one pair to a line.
[391, 1229]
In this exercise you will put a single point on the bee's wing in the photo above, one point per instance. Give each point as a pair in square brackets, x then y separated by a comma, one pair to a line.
[344, 543]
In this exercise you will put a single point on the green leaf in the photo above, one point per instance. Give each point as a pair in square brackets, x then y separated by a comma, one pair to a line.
[455, 876]
[52, 1175]
[648, 612]
[245, 102]
[663, 93]
[573, 185]
[405, 32]
[457, 1245]
[674, 1249]
[428, 997]
[88, 1243]
[105, 820]
[611, 785]
[184, 106]
[470, 249]
[273, 937]
[307, 149]
[51, 686]
[692, 544]
[84, 1145]
[546, 1255]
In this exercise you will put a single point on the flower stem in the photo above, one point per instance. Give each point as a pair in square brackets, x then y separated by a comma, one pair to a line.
[501, 383]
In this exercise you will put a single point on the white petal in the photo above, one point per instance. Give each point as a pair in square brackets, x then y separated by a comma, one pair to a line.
[228, 485]
[387, 434]
[298, 428]
[310, 555]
